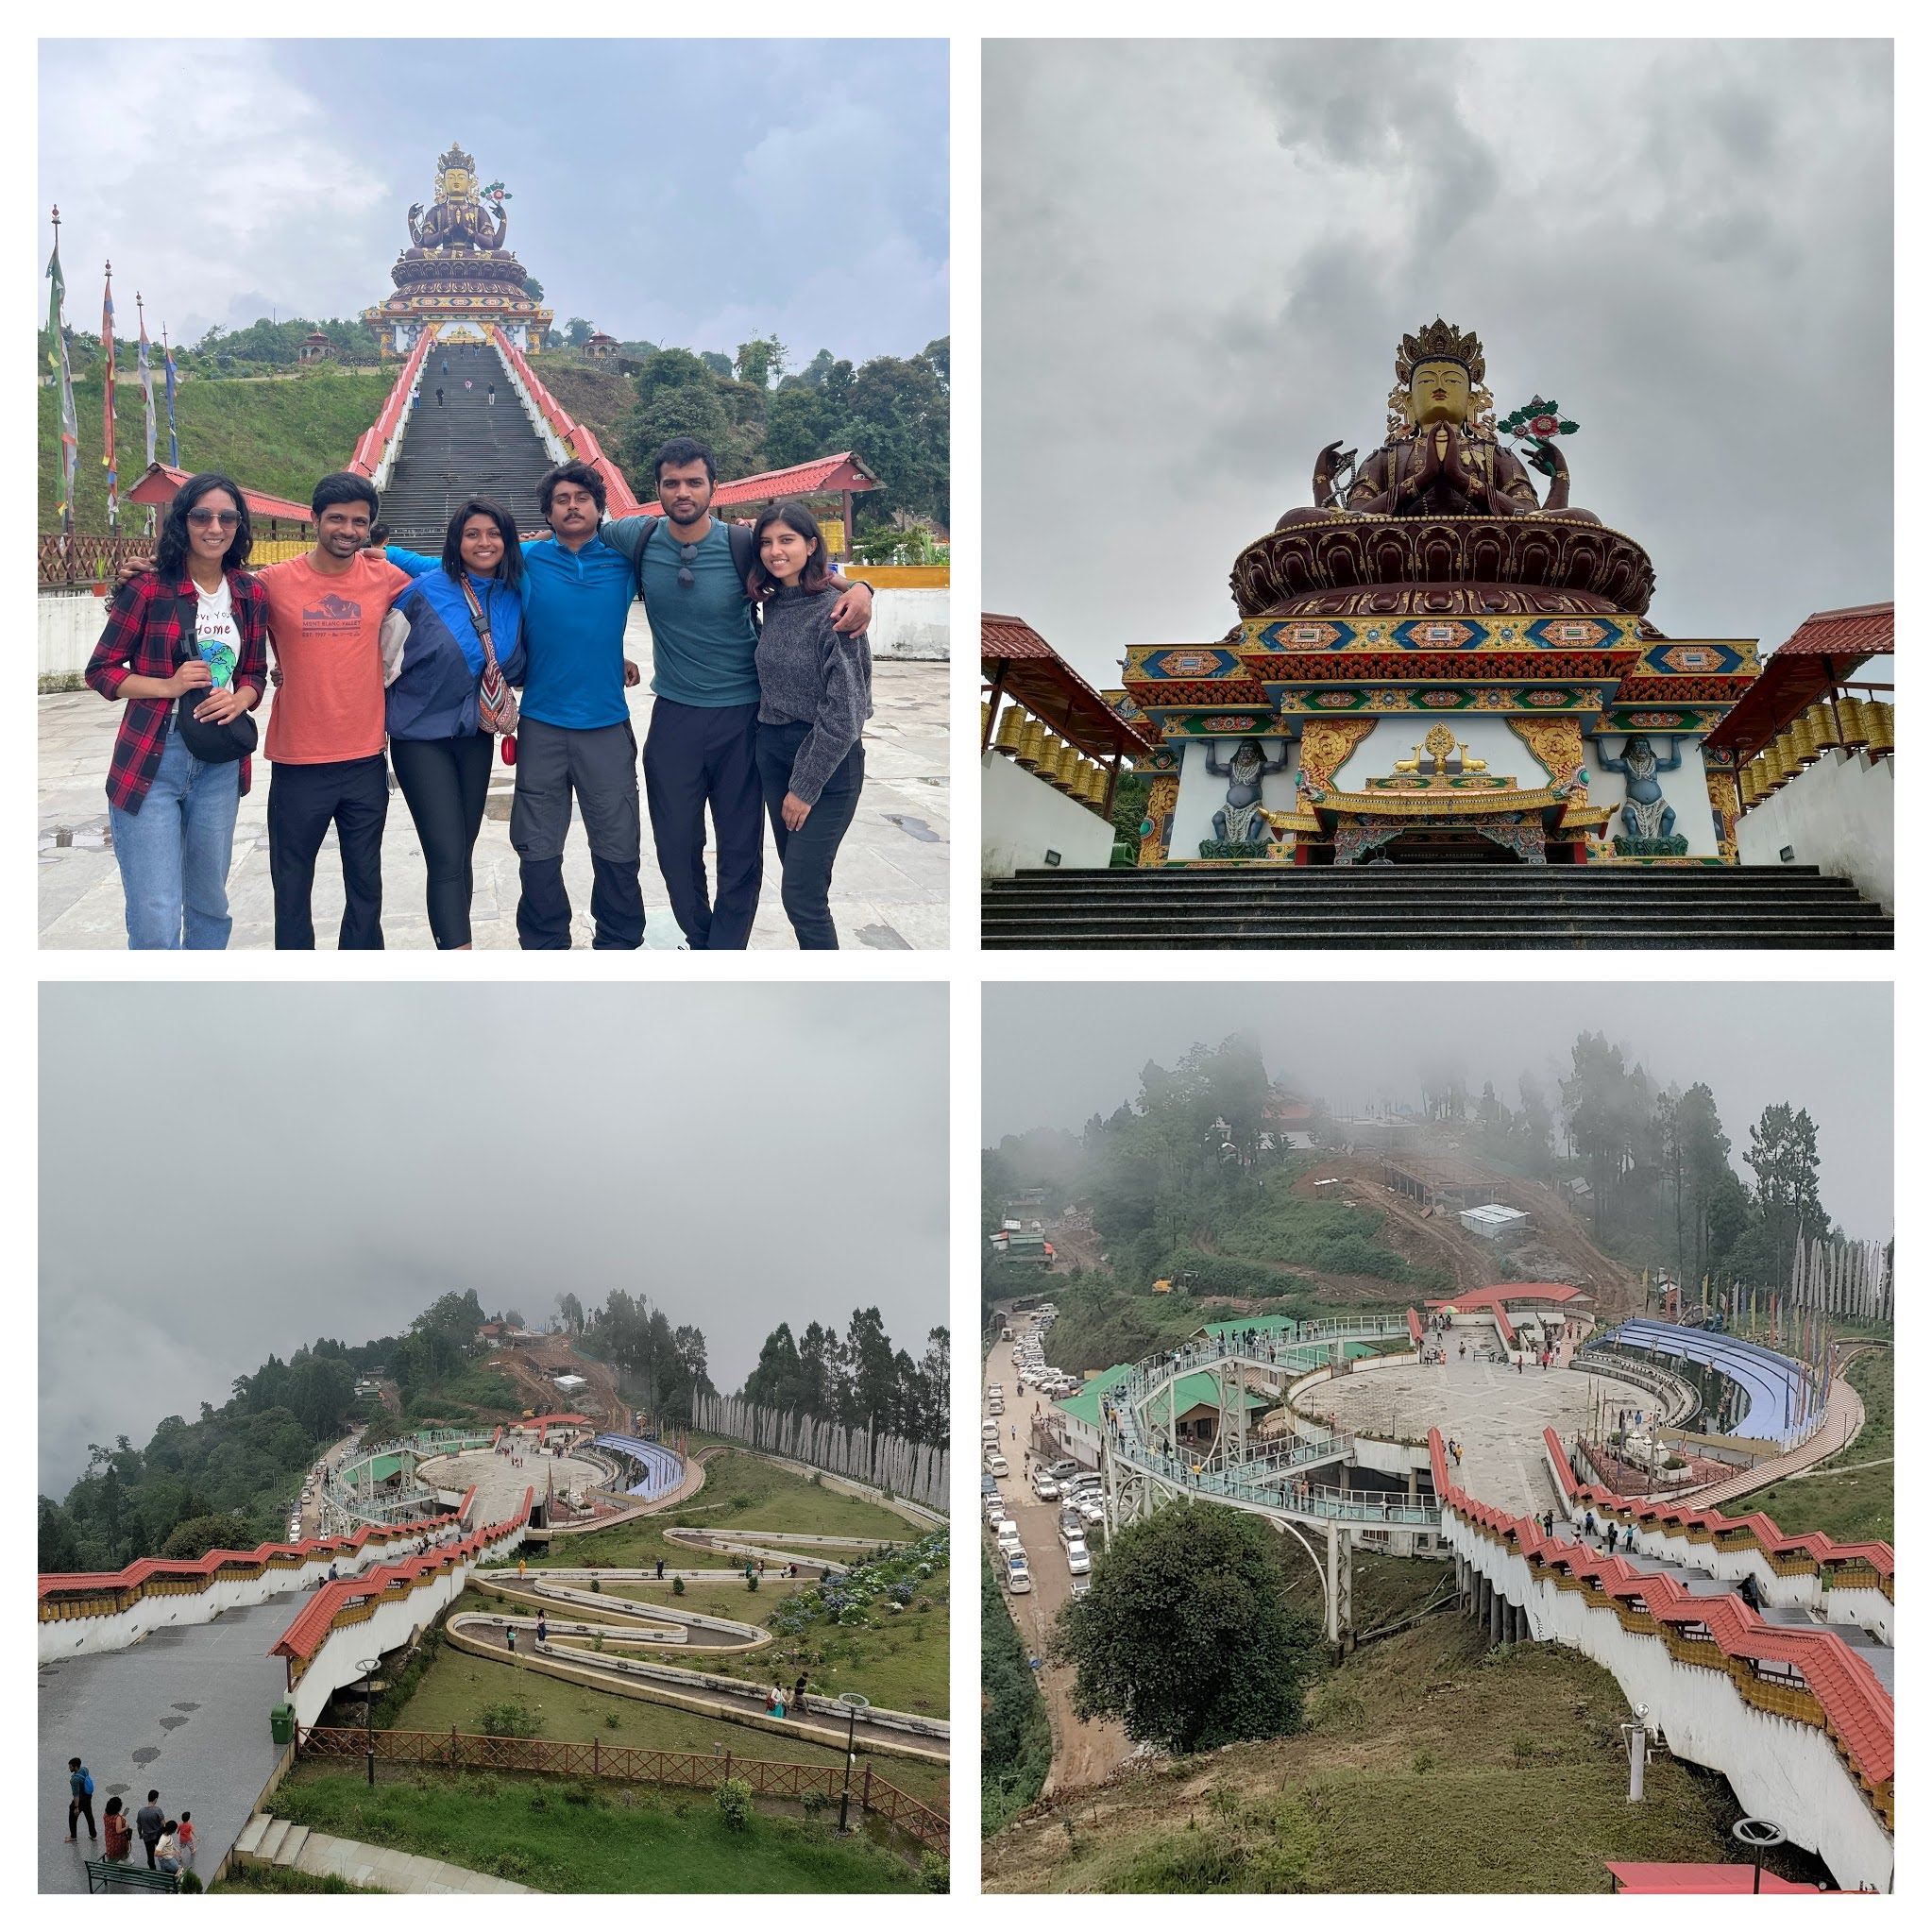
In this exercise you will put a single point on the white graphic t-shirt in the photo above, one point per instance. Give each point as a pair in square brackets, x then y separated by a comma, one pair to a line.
[215, 636]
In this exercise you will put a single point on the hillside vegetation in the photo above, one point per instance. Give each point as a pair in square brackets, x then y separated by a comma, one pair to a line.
[1428, 1763]
[275, 436]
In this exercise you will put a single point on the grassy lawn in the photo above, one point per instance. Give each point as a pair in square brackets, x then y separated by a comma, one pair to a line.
[590, 1834]
[278, 437]
[740, 1493]
[1428, 1764]
[456, 1686]
[261, 1878]
[1838, 1497]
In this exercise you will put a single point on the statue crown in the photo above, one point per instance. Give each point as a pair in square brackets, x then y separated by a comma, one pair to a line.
[1441, 341]
[455, 158]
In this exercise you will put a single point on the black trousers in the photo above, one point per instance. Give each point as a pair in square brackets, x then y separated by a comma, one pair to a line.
[806, 855]
[696, 755]
[303, 801]
[80, 1807]
[445, 781]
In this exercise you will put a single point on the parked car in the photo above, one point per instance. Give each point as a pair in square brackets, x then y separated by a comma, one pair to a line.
[1044, 1488]
[1080, 1586]
[996, 1465]
[1061, 1471]
[1078, 1562]
[1019, 1577]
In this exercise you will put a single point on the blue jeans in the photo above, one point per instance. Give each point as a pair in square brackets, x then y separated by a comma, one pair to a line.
[174, 854]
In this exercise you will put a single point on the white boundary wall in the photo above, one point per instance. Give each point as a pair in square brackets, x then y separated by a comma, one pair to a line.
[1836, 815]
[1023, 818]
[338, 1661]
[172, 1610]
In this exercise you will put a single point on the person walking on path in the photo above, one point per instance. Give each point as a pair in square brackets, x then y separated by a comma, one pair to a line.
[186, 624]
[701, 752]
[120, 1835]
[439, 398]
[814, 693]
[493, 396]
[463, 611]
[79, 1798]
[149, 1822]
[660, 1569]
[185, 1837]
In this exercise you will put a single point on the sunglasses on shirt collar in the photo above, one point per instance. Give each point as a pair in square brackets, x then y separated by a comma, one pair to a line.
[688, 553]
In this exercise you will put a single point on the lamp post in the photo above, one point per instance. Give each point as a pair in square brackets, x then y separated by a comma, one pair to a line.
[367, 1666]
[1759, 1835]
[854, 1704]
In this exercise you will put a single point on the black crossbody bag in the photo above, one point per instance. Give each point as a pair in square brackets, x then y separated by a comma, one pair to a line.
[214, 744]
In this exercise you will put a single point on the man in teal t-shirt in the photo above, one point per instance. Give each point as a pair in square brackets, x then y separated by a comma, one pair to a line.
[702, 747]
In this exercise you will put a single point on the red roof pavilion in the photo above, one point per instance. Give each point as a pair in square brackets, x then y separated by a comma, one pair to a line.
[158, 484]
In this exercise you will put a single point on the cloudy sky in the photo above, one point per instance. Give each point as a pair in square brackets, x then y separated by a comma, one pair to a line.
[694, 193]
[274, 1163]
[1200, 257]
[1827, 1048]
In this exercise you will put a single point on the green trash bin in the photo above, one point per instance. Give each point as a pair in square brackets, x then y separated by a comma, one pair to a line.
[281, 1723]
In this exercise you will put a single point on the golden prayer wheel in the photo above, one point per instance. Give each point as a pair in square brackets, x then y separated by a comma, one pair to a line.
[1804, 730]
[1068, 778]
[1878, 725]
[985, 721]
[1852, 717]
[1012, 723]
[1790, 760]
[1053, 768]
[1824, 725]
[1747, 784]
[1097, 787]
[1032, 744]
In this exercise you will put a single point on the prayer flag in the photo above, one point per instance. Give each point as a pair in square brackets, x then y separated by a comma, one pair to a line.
[108, 396]
[168, 372]
[146, 396]
[70, 422]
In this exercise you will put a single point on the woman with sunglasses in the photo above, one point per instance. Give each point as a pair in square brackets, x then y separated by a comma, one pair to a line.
[814, 693]
[185, 651]
[439, 734]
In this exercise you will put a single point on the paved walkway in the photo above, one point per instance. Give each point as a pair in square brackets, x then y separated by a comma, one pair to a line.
[889, 888]
[324, 1856]
[1844, 1416]
[1496, 1416]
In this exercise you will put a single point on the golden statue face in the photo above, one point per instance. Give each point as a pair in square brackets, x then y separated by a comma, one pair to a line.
[457, 182]
[1439, 393]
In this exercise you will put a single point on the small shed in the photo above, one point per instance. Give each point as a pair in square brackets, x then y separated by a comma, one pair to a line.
[1494, 1222]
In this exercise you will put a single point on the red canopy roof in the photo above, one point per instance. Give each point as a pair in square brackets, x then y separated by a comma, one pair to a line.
[827, 474]
[1828, 647]
[158, 485]
[1033, 671]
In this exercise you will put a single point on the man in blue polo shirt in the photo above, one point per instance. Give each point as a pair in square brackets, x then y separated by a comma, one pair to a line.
[575, 735]
[702, 747]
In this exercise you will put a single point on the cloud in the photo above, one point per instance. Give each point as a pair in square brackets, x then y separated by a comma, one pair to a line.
[1199, 257]
[741, 1155]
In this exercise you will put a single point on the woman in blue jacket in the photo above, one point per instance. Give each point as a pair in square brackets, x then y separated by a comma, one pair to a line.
[440, 750]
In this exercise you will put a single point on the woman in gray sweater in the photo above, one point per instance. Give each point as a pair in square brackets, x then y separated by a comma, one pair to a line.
[814, 693]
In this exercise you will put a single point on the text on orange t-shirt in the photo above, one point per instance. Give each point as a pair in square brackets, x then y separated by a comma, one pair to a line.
[326, 631]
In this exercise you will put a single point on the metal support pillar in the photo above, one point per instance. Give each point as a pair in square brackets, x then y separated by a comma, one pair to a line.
[1496, 1610]
[1341, 1592]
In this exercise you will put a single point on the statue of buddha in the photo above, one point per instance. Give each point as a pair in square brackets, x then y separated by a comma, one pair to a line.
[1441, 458]
[457, 217]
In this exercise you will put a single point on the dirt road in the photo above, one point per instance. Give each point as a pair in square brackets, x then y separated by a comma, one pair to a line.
[1083, 1753]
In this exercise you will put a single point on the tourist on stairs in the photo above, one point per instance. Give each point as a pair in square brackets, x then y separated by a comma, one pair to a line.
[814, 693]
[465, 615]
[185, 650]
[702, 746]
[574, 735]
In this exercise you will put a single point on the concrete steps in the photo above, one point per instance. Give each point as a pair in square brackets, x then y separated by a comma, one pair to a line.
[466, 448]
[1496, 908]
[290, 1851]
[248, 1846]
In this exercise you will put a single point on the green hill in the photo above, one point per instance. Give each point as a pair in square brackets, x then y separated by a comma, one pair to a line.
[276, 435]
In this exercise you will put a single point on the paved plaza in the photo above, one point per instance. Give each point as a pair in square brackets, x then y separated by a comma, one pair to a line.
[500, 1483]
[184, 1712]
[890, 887]
[1497, 1414]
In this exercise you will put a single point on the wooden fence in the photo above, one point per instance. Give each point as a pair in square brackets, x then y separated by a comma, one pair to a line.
[629, 1764]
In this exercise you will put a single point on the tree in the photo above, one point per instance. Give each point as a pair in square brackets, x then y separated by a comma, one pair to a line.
[677, 396]
[533, 288]
[940, 354]
[572, 1312]
[762, 360]
[577, 332]
[719, 364]
[900, 426]
[514, 1318]
[1784, 1156]
[1187, 1636]
[196, 1535]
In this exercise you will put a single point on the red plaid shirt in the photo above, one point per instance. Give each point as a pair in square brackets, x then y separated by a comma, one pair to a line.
[143, 638]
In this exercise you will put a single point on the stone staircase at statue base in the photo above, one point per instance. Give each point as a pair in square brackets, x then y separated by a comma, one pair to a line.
[1479, 907]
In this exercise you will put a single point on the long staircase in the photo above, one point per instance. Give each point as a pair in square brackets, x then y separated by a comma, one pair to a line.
[1493, 908]
[465, 448]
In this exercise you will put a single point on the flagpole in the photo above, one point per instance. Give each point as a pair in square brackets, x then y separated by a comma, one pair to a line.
[168, 369]
[146, 397]
[108, 400]
[70, 422]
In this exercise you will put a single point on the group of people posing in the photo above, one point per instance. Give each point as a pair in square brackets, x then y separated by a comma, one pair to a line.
[761, 674]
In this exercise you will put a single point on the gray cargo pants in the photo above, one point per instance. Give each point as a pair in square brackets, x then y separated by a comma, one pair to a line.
[600, 767]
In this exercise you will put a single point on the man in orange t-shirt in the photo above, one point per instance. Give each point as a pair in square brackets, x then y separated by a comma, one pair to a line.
[326, 727]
